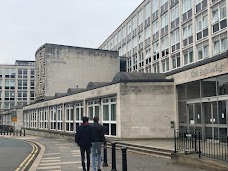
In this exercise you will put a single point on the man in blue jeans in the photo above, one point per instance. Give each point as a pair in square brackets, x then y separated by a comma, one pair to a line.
[97, 138]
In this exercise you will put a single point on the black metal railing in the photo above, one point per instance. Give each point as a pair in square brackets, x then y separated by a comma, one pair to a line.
[214, 147]
[202, 144]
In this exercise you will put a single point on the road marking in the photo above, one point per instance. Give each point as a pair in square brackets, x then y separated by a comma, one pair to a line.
[36, 150]
[50, 158]
[49, 161]
[47, 154]
[49, 167]
[77, 155]
[28, 159]
[69, 162]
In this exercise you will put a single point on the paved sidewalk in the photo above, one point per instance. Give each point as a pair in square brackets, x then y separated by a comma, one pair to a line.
[64, 155]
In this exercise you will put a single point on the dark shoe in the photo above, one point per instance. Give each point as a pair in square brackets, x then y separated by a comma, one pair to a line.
[98, 169]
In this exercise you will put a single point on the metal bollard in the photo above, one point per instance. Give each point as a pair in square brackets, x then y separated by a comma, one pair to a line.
[1, 131]
[20, 132]
[10, 132]
[7, 132]
[113, 156]
[24, 132]
[4, 132]
[124, 159]
[105, 163]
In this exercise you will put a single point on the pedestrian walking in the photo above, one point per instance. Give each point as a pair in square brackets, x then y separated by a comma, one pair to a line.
[97, 137]
[83, 139]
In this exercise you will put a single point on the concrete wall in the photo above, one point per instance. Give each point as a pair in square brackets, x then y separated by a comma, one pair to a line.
[66, 67]
[143, 109]
[19, 123]
[146, 110]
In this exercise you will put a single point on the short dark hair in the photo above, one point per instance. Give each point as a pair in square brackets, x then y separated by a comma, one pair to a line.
[96, 119]
[85, 119]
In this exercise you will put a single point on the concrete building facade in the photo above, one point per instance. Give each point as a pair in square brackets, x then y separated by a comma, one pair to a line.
[17, 85]
[186, 40]
[60, 67]
[161, 35]
[131, 106]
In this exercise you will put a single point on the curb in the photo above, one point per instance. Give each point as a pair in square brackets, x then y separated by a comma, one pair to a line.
[38, 158]
[36, 163]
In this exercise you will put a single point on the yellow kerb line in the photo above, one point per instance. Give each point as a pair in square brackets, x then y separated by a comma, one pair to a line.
[33, 148]
[30, 158]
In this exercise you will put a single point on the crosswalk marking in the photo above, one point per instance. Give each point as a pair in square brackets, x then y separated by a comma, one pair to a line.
[50, 158]
[49, 164]
[49, 161]
[47, 154]
[48, 167]
[52, 161]
[77, 155]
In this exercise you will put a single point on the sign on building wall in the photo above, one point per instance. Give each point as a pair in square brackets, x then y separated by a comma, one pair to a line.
[14, 119]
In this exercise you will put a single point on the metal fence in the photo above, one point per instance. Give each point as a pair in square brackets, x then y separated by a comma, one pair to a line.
[201, 144]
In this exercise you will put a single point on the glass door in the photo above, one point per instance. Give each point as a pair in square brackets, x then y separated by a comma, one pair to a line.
[211, 119]
[222, 118]
[194, 116]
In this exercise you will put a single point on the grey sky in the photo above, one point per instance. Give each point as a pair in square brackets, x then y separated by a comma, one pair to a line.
[28, 24]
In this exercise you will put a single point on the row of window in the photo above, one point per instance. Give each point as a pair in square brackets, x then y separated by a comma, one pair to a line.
[21, 96]
[53, 117]
[218, 15]
[169, 62]
[21, 73]
[21, 84]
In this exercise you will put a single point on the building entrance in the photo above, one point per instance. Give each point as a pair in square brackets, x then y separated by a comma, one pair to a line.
[208, 117]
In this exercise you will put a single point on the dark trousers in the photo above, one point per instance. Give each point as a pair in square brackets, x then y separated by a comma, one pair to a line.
[87, 151]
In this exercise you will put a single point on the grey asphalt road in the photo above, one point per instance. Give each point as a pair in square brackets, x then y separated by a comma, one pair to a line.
[13, 153]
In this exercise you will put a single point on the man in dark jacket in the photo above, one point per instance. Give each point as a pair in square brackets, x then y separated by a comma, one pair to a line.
[97, 137]
[83, 139]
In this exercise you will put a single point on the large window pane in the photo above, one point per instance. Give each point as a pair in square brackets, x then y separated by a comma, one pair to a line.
[198, 113]
[193, 90]
[209, 87]
[190, 113]
[222, 112]
[91, 113]
[105, 113]
[97, 111]
[182, 112]
[106, 129]
[181, 92]
[113, 129]
[222, 84]
[77, 113]
[113, 112]
[207, 113]
[222, 132]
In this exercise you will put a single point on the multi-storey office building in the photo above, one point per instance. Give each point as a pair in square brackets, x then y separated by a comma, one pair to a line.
[17, 85]
[162, 35]
[186, 40]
